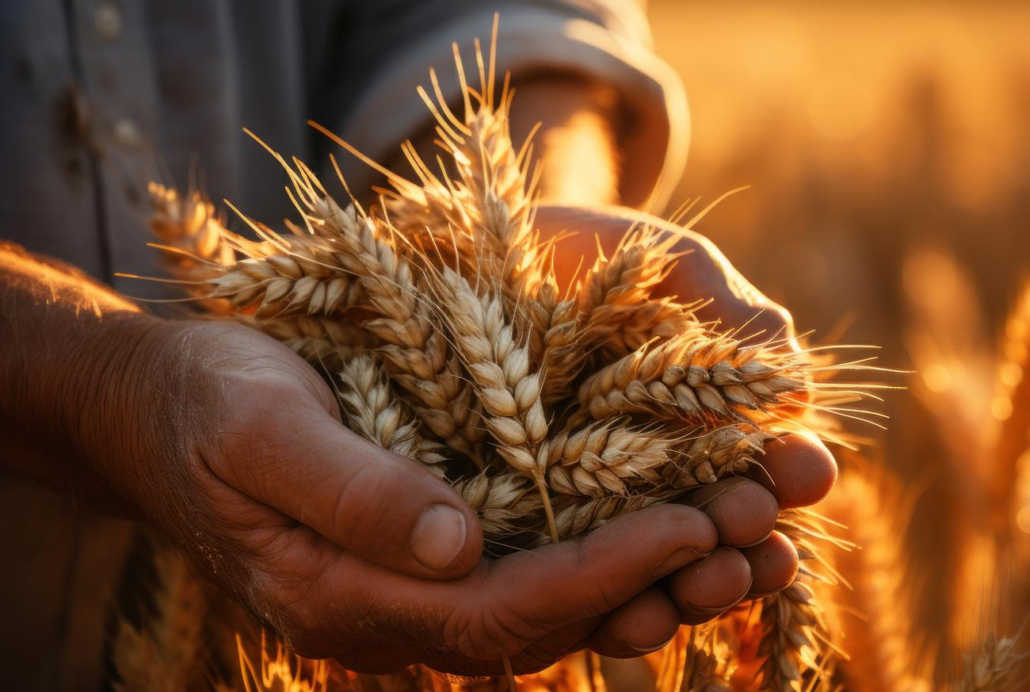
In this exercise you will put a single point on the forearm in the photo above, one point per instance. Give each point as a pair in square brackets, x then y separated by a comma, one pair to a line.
[62, 338]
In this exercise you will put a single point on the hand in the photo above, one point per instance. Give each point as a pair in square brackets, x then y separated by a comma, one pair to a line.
[752, 560]
[230, 444]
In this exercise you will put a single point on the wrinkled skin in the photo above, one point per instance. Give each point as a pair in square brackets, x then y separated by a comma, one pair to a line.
[231, 444]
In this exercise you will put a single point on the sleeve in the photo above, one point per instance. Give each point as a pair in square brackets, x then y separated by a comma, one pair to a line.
[391, 48]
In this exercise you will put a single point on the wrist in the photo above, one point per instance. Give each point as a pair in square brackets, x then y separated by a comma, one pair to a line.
[109, 403]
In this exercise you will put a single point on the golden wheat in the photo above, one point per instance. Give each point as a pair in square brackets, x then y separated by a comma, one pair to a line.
[878, 636]
[794, 643]
[166, 652]
[436, 314]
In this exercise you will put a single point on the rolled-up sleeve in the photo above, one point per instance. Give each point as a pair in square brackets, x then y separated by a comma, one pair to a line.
[606, 41]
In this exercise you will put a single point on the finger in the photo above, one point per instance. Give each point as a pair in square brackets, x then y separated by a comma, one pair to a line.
[286, 451]
[565, 583]
[705, 589]
[644, 624]
[539, 655]
[743, 511]
[502, 607]
[774, 565]
[797, 469]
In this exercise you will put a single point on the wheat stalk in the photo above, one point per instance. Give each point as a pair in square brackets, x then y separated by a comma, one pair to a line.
[795, 639]
[500, 370]
[694, 379]
[165, 653]
[879, 637]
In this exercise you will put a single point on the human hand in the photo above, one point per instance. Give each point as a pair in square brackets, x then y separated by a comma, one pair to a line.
[231, 445]
[752, 559]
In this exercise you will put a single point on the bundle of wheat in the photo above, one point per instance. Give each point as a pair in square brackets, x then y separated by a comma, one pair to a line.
[437, 317]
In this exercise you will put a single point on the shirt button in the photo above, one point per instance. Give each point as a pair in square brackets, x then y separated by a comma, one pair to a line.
[108, 21]
[126, 133]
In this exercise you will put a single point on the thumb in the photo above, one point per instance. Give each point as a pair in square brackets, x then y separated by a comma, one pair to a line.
[380, 506]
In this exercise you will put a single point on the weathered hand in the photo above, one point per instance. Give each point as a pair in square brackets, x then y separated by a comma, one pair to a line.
[231, 445]
[752, 560]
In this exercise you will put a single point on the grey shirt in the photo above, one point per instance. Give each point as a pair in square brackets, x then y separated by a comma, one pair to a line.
[97, 97]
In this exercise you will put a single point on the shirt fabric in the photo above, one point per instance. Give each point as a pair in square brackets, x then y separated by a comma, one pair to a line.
[98, 97]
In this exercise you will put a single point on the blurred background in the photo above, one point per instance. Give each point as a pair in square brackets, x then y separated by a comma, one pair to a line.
[888, 150]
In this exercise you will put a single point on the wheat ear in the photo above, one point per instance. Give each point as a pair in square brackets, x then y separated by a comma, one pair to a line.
[695, 379]
[500, 370]
[795, 636]
[165, 653]
[484, 210]
[372, 410]
[417, 354]
[878, 636]
[993, 666]
[191, 231]
[502, 502]
[606, 458]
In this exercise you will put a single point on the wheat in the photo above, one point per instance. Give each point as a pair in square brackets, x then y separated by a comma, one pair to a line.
[165, 653]
[191, 230]
[795, 636]
[502, 502]
[305, 279]
[372, 410]
[500, 369]
[575, 516]
[993, 666]
[606, 458]
[878, 636]
[695, 379]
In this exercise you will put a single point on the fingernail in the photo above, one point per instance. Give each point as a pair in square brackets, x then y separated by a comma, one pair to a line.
[439, 536]
[648, 648]
[681, 558]
[706, 610]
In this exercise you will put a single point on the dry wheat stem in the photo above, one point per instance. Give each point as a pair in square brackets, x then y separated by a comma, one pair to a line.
[795, 639]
